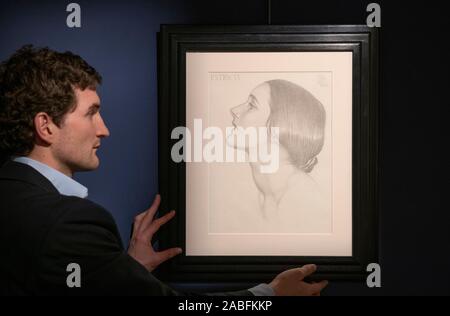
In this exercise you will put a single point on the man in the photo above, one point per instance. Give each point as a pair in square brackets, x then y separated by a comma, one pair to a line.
[50, 128]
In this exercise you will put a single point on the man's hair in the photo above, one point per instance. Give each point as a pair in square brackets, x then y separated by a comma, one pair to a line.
[301, 120]
[37, 80]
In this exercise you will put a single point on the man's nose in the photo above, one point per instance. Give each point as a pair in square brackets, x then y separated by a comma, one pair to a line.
[103, 131]
[106, 132]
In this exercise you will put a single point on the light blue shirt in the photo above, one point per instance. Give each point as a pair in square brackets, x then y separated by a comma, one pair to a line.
[262, 289]
[67, 186]
[64, 184]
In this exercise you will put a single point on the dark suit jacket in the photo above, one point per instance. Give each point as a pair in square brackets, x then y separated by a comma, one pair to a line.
[42, 231]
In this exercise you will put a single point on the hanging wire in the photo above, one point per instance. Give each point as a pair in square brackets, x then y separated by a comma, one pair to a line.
[269, 12]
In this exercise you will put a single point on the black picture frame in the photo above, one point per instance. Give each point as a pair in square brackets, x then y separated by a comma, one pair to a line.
[174, 41]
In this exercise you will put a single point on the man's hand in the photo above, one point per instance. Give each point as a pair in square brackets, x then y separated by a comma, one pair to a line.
[290, 282]
[145, 227]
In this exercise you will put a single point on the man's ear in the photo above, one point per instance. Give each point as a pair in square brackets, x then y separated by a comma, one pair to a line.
[44, 127]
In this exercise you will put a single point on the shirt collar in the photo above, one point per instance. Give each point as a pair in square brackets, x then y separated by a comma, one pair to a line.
[64, 184]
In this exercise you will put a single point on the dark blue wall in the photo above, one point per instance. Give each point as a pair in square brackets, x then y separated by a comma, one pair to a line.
[119, 40]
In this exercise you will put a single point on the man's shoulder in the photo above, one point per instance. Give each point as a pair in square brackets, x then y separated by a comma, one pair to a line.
[72, 209]
[76, 207]
[34, 208]
[33, 197]
[81, 219]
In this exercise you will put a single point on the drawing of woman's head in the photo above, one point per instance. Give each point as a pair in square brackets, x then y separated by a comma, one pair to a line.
[299, 116]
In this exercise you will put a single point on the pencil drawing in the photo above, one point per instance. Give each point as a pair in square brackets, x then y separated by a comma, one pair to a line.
[300, 118]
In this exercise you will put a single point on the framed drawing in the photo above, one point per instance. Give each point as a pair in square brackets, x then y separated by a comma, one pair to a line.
[268, 150]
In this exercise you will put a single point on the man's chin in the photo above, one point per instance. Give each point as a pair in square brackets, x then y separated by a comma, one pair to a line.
[91, 166]
[95, 164]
